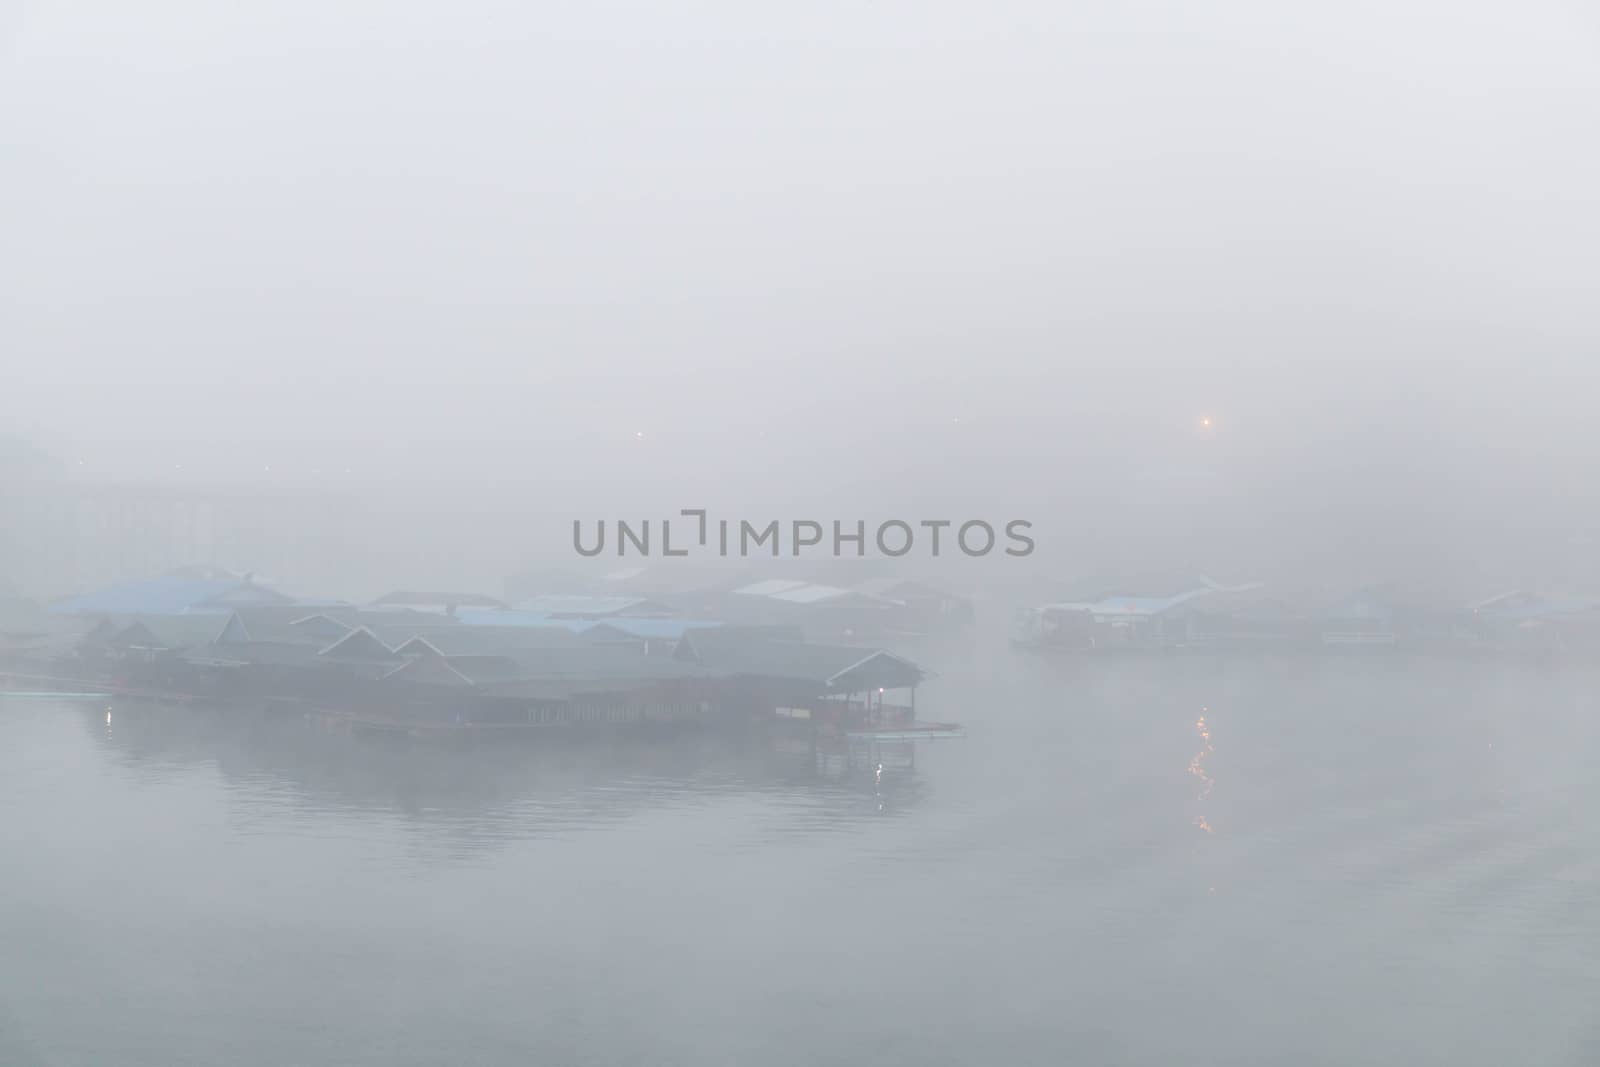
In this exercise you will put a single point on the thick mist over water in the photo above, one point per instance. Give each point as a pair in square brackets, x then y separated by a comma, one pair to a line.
[501, 266]
[1274, 325]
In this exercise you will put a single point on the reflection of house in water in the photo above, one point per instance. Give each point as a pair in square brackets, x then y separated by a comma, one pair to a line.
[483, 796]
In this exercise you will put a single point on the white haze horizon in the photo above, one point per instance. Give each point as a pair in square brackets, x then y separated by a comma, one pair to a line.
[823, 261]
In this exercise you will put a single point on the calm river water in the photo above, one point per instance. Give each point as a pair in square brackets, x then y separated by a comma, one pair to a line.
[1143, 861]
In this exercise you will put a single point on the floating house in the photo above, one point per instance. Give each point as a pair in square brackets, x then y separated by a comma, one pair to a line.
[1526, 620]
[404, 665]
[1116, 621]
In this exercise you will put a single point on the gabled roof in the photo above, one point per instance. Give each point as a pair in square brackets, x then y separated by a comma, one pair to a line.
[279, 623]
[168, 632]
[320, 625]
[234, 631]
[359, 644]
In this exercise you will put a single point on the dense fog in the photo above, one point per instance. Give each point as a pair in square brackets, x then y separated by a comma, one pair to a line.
[470, 274]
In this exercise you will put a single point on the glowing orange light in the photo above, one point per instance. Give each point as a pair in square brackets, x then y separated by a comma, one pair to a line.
[1198, 769]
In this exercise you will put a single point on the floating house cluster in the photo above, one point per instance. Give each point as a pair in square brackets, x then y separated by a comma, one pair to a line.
[437, 662]
[1203, 614]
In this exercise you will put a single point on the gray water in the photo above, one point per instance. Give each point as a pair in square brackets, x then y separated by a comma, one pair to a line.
[1370, 861]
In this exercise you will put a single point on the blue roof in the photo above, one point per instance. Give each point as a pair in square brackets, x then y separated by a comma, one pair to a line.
[166, 595]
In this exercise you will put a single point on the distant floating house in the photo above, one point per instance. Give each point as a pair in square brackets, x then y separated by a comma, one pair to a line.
[826, 612]
[1387, 615]
[1120, 620]
[1108, 623]
[1524, 619]
[1244, 618]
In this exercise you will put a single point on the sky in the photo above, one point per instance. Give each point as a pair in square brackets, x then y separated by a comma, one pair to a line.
[644, 256]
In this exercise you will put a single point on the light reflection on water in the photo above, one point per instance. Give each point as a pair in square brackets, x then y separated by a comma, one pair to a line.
[1401, 870]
